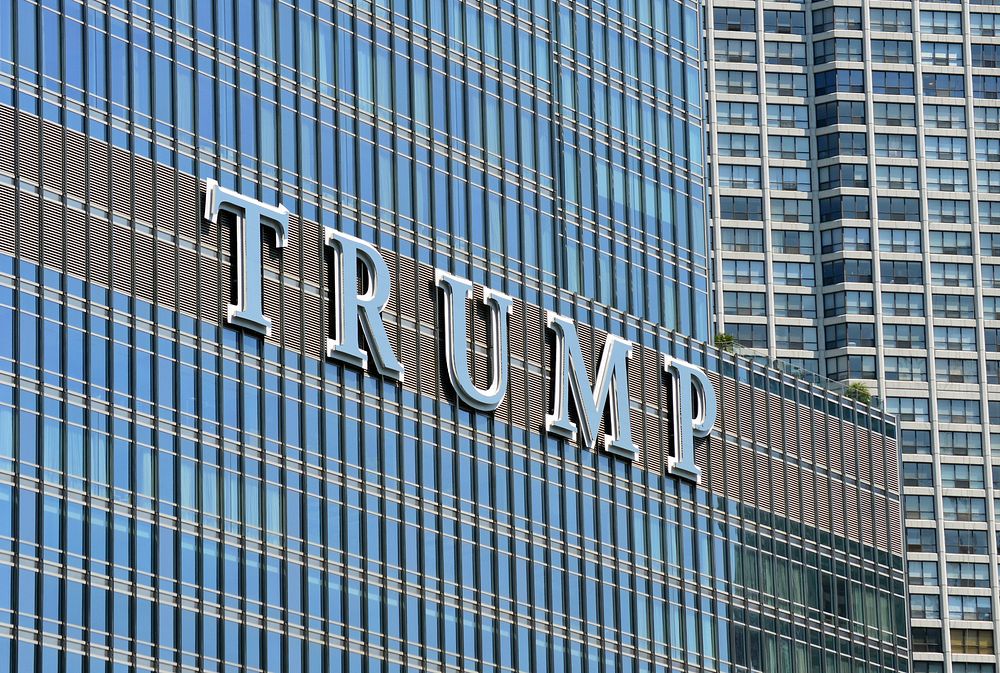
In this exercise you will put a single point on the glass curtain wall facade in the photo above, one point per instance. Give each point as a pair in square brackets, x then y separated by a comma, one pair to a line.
[855, 212]
[177, 493]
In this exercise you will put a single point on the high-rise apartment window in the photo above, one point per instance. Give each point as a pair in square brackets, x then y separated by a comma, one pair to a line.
[844, 207]
[846, 238]
[941, 23]
[987, 149]
[989, 181]
[898, 272]
[750, 336]
[739, 176]
[744, 303]
[944, 84]
[951, 274]
[739, 145]
[905, 368]
[844, 367]
[921, 573]
[991, 308]
[926, 638]
[919, 507]
[919, 475]
[971, 641]
[743, 271]
[894, 176]
[987, 118]
[946, 147]
[735, 51]
[964, 574]
[925, 606]
[795, 337]
[899, 240]
[987, 25]
[892, 51]
[846, 49]
[898, 209]
[956, 370]
[989, 212]
[989, 244]
[794, 305]
[786, 22]
[990, 276]
[839, 81]
[787, 116]
[736, 81]
[784, 53]
[836, 18]
[740, 208]
[844, 144]
[892, 82]
[903, 304]
[738, 114]
[843, 175]
[792, 242]
[801, 274]
[738, 239]
[790, 179]
[849, 302]
[951, 338]
[791, 210]
[904, 336]
[960, 541]
[948, 179]
[986, 86]
[954, 306]
[944, 116]
[962, 475]
[840, 112]
[847, 271]
[853, 334]
[892, 114]
[891, 20]
[788, 147]
[916, 442]
[951, 211]
[986, 55]
[909, 409]
[921, 540]
[727, 18]
[972, 608]
[895, 146]
[787, 84]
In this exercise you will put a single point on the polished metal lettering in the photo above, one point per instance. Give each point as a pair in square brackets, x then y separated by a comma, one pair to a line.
[688, 379]
[250, 214]
[571, 378]
[455, 291]
[350, 308]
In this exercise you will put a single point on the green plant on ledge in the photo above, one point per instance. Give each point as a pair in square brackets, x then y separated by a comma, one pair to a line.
[858, 392]
[725, 342]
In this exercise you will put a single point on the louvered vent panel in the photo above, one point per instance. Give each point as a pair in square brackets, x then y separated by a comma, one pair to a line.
[98, 175]
[805, 421]
[822, 501]
[732, 470]
[809, 499]
[52, 234]
[729, 411]
[312, 246]
[655, 448]
[792, 490]
[76, 165]
[166, 203]
[143, 266]
[143, 176]
[864, 450]
[76, 242]
[187, 290]
[7, 139]
[745, 400]
[99, 250]
[852, 514]
[478, 318]
[190, 206]
[837, 507]
[836, 445]
[774, 434]
[7, 210]
[272, 308]
[748, 478]
[28, 141]
[882, 523]
[820, 440]
[879, 458]
[429, 380]
[407, 311]
[759, 419]
[866, 517]
[166, 274]
[121, 256]
[850, 453]
[52, 157]
[716, 464]
[121, 177]
[312, 318]
[427, 302]
[773, 483]
[28, 226]
[536, 388]
[791, 423]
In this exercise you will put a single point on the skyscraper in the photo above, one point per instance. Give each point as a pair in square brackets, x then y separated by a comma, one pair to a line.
[855, 159]
[370, 337]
